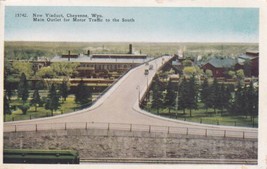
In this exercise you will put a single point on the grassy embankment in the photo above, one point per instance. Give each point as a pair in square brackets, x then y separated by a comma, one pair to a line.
[67, 106]
[204, 116]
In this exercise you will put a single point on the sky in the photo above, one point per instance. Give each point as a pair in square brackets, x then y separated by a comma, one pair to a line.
[151, 24]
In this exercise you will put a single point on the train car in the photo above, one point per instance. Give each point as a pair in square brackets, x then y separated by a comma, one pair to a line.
[41, 156]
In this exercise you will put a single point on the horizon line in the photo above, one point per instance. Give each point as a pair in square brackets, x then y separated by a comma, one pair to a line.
[130, 41]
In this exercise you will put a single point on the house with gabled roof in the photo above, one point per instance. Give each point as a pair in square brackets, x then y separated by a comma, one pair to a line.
[218, 65]
[251, 58]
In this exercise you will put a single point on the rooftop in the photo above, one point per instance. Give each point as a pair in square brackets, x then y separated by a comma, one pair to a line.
[120, 55]
[89, 59]
[222, 62]
[247, 56]
[252, 52]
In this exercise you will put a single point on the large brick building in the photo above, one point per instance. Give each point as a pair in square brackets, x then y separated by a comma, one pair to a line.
[99, 65]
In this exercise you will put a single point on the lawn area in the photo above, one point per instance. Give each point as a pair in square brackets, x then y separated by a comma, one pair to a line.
[209, 117]
[66, 107]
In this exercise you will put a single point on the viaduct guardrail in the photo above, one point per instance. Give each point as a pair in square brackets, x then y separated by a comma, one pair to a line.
[224, 133]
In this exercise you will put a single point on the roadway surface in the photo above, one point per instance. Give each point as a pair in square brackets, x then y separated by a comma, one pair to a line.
[120, 105]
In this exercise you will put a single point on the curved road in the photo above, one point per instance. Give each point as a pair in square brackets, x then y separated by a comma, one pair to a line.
[120, 105]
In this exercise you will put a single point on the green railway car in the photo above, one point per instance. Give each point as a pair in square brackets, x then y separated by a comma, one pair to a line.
[41, 156]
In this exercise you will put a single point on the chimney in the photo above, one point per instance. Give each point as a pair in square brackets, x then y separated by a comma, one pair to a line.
[88, 52]
[130, 49]
[69, 56]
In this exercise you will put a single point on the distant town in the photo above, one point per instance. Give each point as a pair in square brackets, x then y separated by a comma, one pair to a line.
[90, 65]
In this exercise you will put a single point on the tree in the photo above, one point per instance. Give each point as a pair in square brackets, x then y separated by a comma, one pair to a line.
[215, 95]
[245, 101]
[6, 107]
[237, 107]
[247, 68]
[46, 72]
[163, 75]
[223, 98]
[40, 85]
[187, 62]
[65, 69]
[52, 102]
[8, 71]
[240, 74]
[255, 101]
[189, 71]
[157, 97]
[208, 73]
[252, 101]
[210, 95]
[170, 96]
[205, 92]
[232, 74]
[227, 97]
[24, 67]
[64, 89]
[24, 108]
[8, 89]
[36, 100]
[23, 91]
[192, 94]
[182, 95]
[82, 94]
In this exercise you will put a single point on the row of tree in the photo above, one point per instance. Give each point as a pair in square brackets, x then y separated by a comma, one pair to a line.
[239, 100]
[51, 102]
[12, 72]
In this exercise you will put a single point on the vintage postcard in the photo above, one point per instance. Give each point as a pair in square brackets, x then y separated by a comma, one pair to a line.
[171, 84]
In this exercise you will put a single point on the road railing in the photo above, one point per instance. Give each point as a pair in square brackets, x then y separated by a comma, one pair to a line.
[208, 132]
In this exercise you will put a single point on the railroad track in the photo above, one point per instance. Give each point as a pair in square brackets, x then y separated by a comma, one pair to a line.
[170, 161]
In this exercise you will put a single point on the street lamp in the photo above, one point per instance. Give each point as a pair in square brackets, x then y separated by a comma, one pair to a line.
[138, 88]
[146, 74]
[147, 82]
